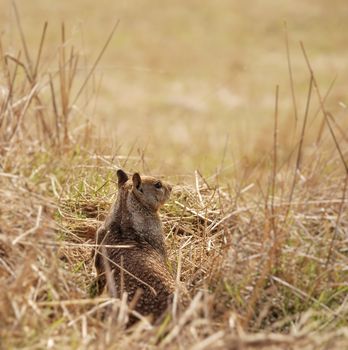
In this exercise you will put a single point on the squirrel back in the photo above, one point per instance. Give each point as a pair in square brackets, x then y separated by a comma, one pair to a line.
[134, 222]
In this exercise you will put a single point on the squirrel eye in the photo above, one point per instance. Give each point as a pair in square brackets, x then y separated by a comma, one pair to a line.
[158, 184]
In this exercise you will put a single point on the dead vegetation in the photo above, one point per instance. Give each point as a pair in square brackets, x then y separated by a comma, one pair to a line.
[264, 255]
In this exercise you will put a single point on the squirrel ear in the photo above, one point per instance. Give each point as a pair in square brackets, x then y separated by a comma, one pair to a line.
[122, 177]
[137, 181]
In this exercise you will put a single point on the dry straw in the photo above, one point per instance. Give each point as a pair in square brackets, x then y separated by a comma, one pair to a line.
[265, 262]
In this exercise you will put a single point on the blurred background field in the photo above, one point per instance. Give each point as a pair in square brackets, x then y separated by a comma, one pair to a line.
[257, 225]
[194, 82]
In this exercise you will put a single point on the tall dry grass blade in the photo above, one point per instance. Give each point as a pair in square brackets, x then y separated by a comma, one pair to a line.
[322, 106]
[38, 57]
[24, 43]
[34, 87]
[344, 135]
[70, 65]
[20, 63]
[299, 152]
[275, 155]
[64, 93]
[55, 111]
[177, 289]
[293, 96]
[73, 62]
[203, 179]
[7, 75]
[338, 147]
[128, 156]
[323, 109]
[96, 62]
[327, 94]
[198, 190]
[25, 108]
[108, 273]
[10, 83]
[339, 215]
[257, 288]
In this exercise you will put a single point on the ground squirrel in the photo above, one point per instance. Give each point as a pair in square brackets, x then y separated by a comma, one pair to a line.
[134, 221]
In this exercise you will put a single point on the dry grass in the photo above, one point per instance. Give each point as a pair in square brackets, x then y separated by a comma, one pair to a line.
[205, 69]
[261, 242]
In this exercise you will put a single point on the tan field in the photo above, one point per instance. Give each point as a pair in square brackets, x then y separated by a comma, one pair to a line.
[241, 105]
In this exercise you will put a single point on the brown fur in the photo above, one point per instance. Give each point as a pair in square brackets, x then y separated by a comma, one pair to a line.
[134, 221]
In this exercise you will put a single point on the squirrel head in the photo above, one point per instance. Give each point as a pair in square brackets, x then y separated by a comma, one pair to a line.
[150, 192]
